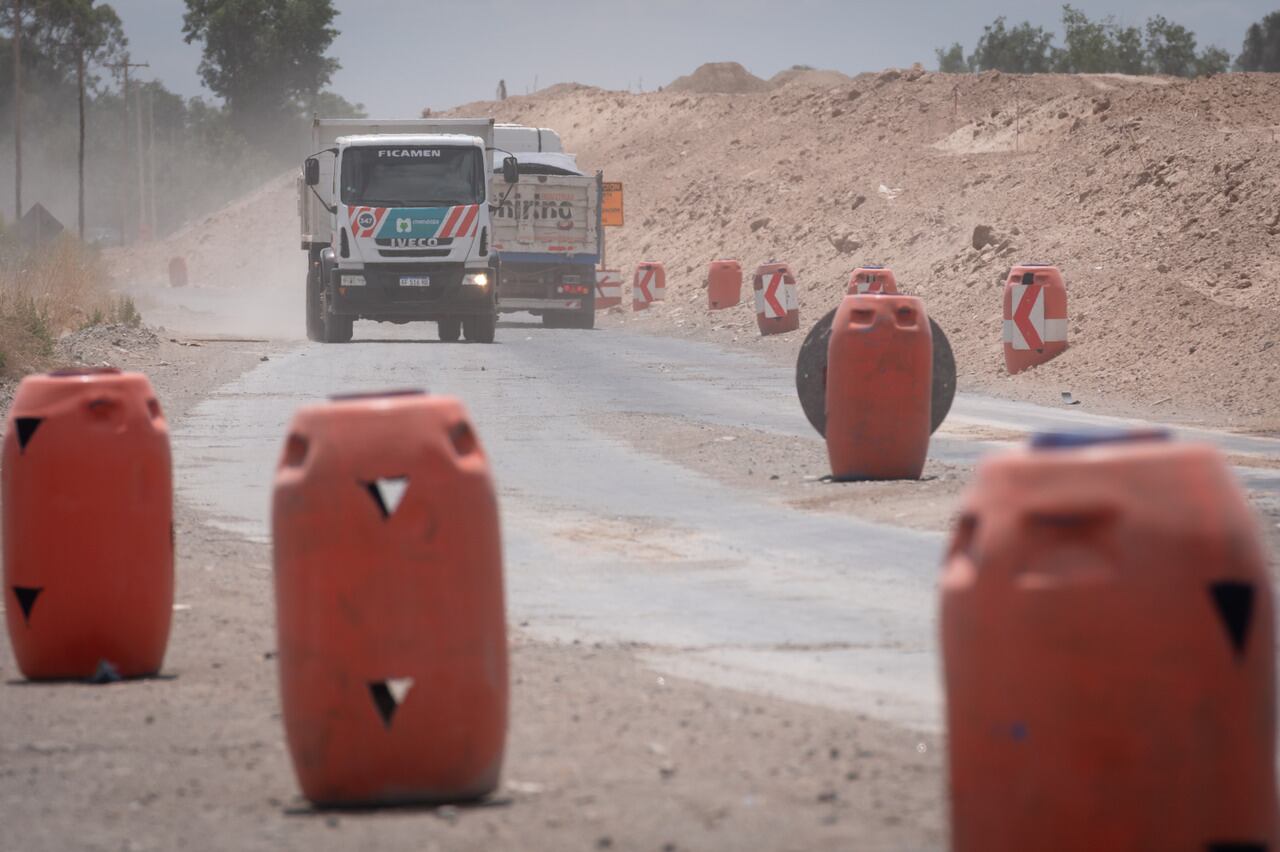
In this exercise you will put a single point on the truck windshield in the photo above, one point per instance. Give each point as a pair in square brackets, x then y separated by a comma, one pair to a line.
[409, 176]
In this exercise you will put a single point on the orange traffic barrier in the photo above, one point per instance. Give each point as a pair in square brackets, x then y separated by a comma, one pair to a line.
[1109, 651]
[724, 284]
[1035, 316]
[872, 279]
[87, 494]
[608, 288]
[879, 386]
[648, 285]
[777, 304]
[389, 602]
[178, 272]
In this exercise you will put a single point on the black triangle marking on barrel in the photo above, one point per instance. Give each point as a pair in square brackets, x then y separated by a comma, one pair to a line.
[26, 596]
[1235, 847]
[1234, 601]
[27, 427]
[388, 493]
[388, 695]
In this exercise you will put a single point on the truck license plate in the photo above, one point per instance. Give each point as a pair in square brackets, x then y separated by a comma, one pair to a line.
[415, 281]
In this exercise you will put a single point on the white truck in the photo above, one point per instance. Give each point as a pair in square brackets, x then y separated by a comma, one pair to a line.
[546, 231]
[396, 225]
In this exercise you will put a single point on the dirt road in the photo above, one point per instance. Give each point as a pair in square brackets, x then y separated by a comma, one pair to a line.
[712, 648]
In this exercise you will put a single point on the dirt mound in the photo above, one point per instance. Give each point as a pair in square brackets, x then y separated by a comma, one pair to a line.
[719, 78]
[1156, 196]
[803, 75]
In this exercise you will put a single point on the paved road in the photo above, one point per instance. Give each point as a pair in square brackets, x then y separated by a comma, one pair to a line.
[604, 543]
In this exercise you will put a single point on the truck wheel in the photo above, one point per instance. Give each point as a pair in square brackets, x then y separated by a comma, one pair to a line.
[449, 330]
[336, 329]
[552, 319]
[315, 322]
[583, 319]
[480, 329]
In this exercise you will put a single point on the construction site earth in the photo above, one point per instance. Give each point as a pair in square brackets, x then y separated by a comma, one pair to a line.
[712, 646]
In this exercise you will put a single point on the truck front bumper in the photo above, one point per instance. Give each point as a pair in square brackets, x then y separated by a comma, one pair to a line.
[407, 292]
[520, 304]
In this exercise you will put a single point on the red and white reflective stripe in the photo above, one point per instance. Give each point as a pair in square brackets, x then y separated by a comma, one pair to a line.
[1030, 328]
[467, 228]
[642, 286]
[775, 297]
[608, 284]
[446, 230]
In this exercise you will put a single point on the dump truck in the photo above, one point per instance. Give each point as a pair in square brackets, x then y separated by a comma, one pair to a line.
[547, 233]
[396, 225]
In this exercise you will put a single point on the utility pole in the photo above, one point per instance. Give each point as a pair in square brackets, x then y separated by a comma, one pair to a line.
[17, 109]
[144, 226]
[124, 65]
[80, 155]
[151, 162]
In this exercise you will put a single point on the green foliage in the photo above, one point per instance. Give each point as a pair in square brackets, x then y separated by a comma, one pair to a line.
[332, 105]
[951, 60]
[1261, 48]
[264, 58]
[1024, 49]
[33, 318]
[1103, 46]
[1090, 46]
[1171, 48]
[1129, 51]
[125, 312]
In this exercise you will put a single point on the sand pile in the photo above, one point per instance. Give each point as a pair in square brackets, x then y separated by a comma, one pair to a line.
[1159, 198]
[252, 242]
[723, 77]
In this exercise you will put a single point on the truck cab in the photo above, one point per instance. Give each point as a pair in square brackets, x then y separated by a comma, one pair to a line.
[402, 232]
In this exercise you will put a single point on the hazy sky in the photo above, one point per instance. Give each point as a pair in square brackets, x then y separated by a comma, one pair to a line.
[398, 56]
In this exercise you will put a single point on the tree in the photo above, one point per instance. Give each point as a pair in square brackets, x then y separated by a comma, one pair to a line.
[1022, 50]
[951, 60]
[1214, 60]
[1130, 54]
[78, 33]
[1171, 48]
[264, 58]
[333, 105]
[1261, 48]
[1089, 46]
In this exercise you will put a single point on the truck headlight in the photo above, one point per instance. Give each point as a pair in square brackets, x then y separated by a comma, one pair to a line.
[351, 281]
[476, 279]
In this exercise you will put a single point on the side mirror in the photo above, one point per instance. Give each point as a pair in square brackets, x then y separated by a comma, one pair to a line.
[511, 170]
[311, 171]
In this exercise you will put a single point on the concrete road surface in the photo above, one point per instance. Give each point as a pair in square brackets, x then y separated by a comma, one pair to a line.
[606, 543]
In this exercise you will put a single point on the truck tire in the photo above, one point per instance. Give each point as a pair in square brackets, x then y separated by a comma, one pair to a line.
[335, 329]
[585, 319]
[315, 321]
[449, 330]
[480, 329]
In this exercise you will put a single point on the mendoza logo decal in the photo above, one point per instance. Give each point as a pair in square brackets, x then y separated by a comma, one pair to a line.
[429, 222]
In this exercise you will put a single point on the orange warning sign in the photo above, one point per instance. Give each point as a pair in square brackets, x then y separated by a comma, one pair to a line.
[611, 207]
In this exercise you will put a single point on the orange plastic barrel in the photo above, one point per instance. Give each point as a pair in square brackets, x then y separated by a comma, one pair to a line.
[177, 272]
[87, 493]
[648, 285]
[879, 388]
[724, 284]
[777, 303]
[1035, 316]
[389, 602]
[1109, 651]
[872, 279]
